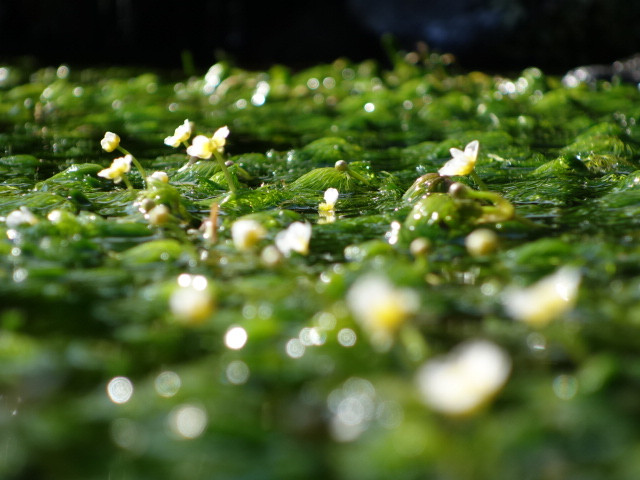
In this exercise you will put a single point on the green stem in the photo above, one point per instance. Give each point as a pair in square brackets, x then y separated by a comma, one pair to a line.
[137, 164]
[358, 176]
[478, 180]
[227, 173]
[127, 182]
[528, 222]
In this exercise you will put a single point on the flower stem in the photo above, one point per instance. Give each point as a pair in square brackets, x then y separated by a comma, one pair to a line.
[478, 180]
[135, 161]
[127, 182]
[528, 222]
[227, 173]
[358, 176]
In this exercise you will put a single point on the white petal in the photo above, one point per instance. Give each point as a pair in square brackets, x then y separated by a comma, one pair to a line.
[472, 149]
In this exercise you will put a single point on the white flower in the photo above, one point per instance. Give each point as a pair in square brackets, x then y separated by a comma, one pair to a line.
[464, 380]
[461, 163]
[110, 142]
[246, 233]
[160, 176]
[219, 138]
[545, 300]
[22, 216]
[330, 198]
[203, 147]
[295, 238]
[158, 215]
[118, 168]
[180, 135]
[481, 242]
[191, 302]
[380, 307]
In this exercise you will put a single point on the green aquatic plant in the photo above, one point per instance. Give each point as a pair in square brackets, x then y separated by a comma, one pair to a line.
[360, 307]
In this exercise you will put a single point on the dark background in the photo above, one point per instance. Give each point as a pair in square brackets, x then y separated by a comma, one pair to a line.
[489, 34]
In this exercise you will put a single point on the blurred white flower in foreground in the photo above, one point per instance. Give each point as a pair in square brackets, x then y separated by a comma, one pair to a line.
[380, 307]
[481, 241]
[158, 215]
[246, 233]
[545, 300]
[191, 302]
[459, 383]
[461, 163]
[295, 238]
[22, 216]
[180, 135]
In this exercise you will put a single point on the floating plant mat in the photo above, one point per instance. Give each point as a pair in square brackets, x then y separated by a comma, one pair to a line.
[311, 293]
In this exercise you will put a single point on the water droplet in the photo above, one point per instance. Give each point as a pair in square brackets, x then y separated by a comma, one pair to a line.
[565, 386]
[235, 338]
[295, 348]
[347, 337]
[167, 384]
[120, 390]
[188, 421]
[237, 372]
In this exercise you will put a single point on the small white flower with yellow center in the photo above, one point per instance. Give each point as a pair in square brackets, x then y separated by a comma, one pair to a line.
[192, 302]
[326, 210]
[118, 168]
[22, 216]
[110, 142]
[203, 147]
[159, 176]
[294, 239]
[330, 198]
[247, 233]
[459, 383]
[380, 307]
[181, 134]
[462, 162]
[481, 242]
[545, 300]
[158, 215]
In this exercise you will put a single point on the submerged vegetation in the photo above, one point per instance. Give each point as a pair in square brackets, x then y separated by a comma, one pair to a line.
[345, 272]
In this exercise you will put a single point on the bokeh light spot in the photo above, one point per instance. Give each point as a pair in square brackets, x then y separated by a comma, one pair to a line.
[120, 389]
[167, 384]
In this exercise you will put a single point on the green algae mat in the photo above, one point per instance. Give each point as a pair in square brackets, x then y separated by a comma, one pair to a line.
[348, 272]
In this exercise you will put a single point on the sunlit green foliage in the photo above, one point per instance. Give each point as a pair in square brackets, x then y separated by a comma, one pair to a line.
[287, 376]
